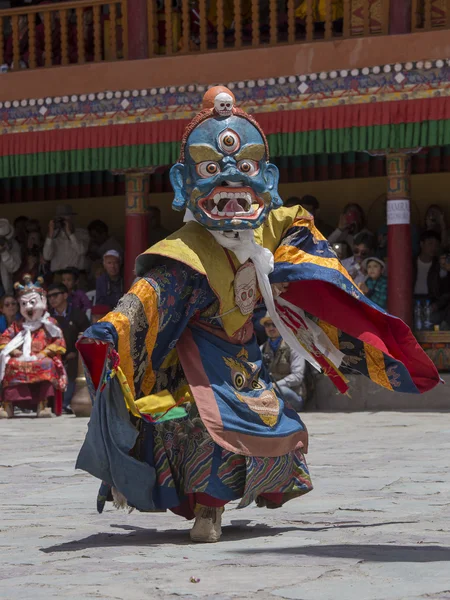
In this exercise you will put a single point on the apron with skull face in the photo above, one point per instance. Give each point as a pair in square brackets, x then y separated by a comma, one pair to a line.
[219, 355]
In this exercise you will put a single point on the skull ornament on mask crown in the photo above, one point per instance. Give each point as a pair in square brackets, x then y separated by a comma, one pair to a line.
[223, 104]
[32, 299]
[224, 176]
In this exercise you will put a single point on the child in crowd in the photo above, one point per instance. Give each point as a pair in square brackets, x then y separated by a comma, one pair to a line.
[77, 298]
[376, 285]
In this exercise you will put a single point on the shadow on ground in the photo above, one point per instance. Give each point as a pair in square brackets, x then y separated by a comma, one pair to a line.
[139, 536]
[364, 552]
[238, 530]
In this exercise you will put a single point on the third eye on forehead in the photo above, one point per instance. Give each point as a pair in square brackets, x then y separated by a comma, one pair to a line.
[204, 152]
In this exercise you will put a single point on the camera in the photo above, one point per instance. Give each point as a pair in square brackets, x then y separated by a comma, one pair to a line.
[59, 225]
[34, 250]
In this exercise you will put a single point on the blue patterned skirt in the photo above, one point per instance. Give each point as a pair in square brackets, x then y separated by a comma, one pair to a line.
[187, 461]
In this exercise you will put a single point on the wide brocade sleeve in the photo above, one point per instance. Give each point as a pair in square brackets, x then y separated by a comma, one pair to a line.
[146, 324]
[142, 329]
[375, 344]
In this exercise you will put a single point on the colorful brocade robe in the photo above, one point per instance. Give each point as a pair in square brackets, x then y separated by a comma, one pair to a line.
[191, 407]
[48, 368]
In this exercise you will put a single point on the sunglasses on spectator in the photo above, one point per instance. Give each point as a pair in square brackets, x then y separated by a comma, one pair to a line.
[357, 252]
[54, 295]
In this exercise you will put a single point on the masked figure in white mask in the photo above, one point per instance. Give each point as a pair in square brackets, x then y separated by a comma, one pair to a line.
[31, 369]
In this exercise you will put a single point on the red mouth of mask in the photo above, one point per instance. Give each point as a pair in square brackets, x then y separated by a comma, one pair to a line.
[230, 202]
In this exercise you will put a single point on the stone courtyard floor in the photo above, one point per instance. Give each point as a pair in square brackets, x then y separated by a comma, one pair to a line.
[376, 526]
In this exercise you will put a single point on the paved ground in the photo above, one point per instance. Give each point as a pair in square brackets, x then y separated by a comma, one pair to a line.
[376, 527]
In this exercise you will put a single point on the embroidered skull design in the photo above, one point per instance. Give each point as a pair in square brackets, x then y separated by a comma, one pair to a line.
[245, 288]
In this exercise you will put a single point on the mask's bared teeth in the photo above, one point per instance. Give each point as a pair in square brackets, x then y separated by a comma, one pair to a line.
[216, 198]
[214, 211]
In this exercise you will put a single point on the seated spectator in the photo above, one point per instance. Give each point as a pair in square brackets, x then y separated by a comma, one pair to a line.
[73, 323]
[20, 230]
[65, 246]
[33, 226]
[98, 312]
[100, 240]
[77, 298]
[435, 221]
[33, 262]
[440, 308]
[156, 231]
[109, 287]
[311, 204]
[375, 286]
[285, 366]
[362, 248]
[9, 312]
[351, 222]
[10, 257]
[431, 280]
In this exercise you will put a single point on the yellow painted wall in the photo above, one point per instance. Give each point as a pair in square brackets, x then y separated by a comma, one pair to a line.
[333, 195]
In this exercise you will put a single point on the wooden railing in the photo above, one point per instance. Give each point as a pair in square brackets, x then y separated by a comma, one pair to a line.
[81, 31]
[430, 14]
[63, 33]
[201, 25]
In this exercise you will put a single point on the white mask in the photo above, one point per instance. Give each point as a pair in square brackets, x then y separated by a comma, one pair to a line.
[32, 306]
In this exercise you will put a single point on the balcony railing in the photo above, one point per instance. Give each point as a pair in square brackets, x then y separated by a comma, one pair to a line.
[430, 14]
[201, 26]
[83, 31]
[66, 33]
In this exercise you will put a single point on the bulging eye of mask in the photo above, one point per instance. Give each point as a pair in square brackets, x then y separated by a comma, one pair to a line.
[225, 179]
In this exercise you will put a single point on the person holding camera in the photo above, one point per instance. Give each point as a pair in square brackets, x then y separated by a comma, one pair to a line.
[351, 222]
[33, 262]
[10, 257]
[65, 246]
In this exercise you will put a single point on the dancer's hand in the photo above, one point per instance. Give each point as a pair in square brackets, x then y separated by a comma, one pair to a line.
[279, 288]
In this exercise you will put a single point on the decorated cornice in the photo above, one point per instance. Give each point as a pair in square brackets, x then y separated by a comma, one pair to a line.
[385, 83]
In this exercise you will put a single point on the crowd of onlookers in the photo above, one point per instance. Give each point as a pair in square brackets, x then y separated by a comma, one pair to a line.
[364, 253]
[81, 269]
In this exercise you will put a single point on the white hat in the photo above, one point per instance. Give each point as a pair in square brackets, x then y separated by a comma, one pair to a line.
[6, 230]
[112, 253]
[374, 259]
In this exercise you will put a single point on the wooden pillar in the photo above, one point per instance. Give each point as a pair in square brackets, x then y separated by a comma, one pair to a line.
[399, 236]
[136, 219]
[400, 16]
[137, 29]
